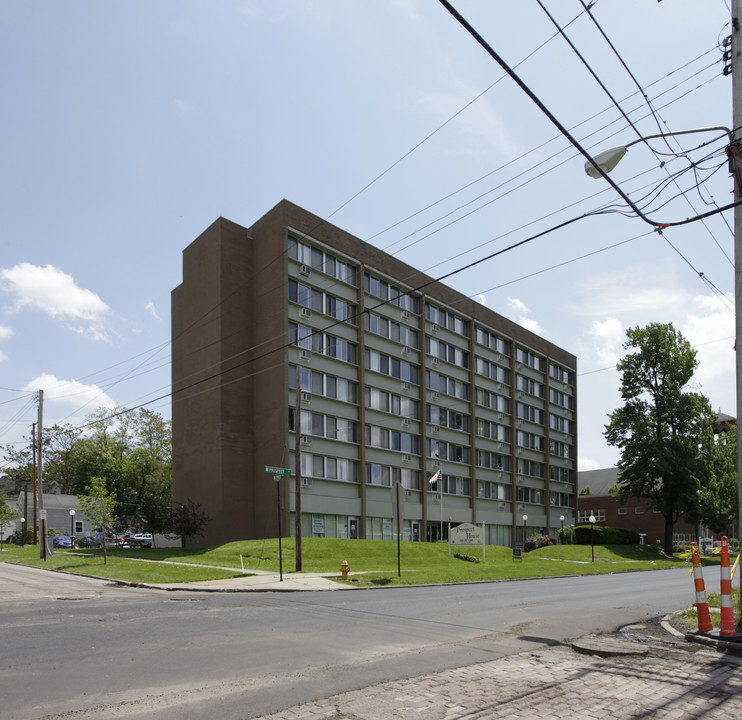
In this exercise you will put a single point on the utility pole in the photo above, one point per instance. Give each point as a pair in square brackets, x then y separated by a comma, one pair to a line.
[297, 463]
[35, 497]
[40, 466]
[735, 166]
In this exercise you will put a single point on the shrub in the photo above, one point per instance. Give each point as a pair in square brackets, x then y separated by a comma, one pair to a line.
[534, 542]
[605, 535]
[468, 558]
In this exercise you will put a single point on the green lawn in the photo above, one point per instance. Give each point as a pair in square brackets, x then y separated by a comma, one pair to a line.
[372, 562]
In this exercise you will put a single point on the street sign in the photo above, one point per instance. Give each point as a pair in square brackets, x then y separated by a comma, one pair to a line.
[277, 470]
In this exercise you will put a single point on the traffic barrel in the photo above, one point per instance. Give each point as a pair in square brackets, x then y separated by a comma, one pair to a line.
[702, 606]
[727, 607]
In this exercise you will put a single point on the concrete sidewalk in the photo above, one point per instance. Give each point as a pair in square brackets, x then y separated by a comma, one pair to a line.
[660, 681]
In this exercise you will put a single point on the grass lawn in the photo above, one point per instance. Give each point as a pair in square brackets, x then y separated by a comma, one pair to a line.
[372, 562]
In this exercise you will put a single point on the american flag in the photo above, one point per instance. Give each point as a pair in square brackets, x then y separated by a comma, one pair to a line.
[435, 478]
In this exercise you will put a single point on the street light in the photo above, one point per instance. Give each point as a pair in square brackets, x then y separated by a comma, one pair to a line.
[525, 518]
[22, 521]
[561, 530]
[72, 527]
[592, 537]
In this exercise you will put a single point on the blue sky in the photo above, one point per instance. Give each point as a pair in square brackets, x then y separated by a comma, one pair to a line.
[130, 127]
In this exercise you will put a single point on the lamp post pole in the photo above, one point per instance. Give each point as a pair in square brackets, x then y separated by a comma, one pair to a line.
[592, 537]
[72, 527]
[561, 529]
[525, 520]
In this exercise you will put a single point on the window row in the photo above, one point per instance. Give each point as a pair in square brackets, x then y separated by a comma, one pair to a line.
[526, 357]
[385, 291]
[379, 325]
[530, 413]
[560, 499]
[526, 385]
[387, 439]
[334, 347]
[316, 259]
[447, 418]
[530, 440]
[446, 352]
[493, 431]
[559, 373]
[492, 400]
[387, 476]
[492, 341]
[391, 403]
[559, 398]
[561, 424]
[562, 474]
[447, 385]
[492, 460]
[561, 449]
[322, 384]
[386, 365]
[446, 319]
[533, 496]
[314, 299]
[330, 468]
[452, 485]
[530, 468]
[326, 426]
[492, 370]
[494, 491]
[449, 451]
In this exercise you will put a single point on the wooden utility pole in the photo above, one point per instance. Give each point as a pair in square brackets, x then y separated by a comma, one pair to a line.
[35, 509]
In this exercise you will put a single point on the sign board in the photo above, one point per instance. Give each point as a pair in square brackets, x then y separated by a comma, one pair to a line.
[466, 534]
[318, 525]
[517, 554]
[42, 514]
[277, 470]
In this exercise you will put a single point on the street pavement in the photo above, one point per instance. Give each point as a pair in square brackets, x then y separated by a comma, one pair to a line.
[653, 670]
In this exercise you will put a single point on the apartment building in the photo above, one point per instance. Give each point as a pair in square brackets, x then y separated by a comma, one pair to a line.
[292, 338]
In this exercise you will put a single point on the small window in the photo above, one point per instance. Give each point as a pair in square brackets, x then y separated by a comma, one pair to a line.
[639, 511]
[622, 511]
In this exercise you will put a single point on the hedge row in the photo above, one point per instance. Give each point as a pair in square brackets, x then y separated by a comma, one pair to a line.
[583, 535]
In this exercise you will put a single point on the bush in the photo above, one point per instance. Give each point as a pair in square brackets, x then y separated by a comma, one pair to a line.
[534, 542]
[605, 535]
[468, 558]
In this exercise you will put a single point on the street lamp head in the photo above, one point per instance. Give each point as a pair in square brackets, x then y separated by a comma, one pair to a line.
[525, 517]
[72, 512]
[606, 160]
[592, 519]
[561, 517]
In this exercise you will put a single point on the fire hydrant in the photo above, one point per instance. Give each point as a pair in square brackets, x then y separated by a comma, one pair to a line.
[344, 569]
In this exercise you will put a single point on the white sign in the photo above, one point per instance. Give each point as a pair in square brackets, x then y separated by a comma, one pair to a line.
[466, 534]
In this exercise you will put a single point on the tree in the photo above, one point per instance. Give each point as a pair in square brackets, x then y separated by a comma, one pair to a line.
[717, 499]
[6, 515]
[662, 426]
[98, 506]
[189, 520]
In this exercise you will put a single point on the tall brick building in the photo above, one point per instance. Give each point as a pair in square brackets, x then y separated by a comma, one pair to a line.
[395, 377]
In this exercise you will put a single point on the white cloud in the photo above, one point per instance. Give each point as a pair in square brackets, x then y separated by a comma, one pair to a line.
[609, 337]
[150, 308]
[52, 291]
[481, 299]
[585, 464]
[5, 332]
[519, 308]
[69, 392]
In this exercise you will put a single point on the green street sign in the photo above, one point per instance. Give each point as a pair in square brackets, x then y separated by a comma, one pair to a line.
[277, 471]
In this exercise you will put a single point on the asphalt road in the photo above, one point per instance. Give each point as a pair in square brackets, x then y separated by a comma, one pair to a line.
[81, 648]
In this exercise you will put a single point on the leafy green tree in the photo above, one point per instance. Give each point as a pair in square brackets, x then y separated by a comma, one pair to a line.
[189, 520]
[661, 427]
[98, 506]
[717, 499]
[6, 515]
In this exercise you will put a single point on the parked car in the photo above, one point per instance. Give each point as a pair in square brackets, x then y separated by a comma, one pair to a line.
[62, 541]
[142, 539]
[95, 541]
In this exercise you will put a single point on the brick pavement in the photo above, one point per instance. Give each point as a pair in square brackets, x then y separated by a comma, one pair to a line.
[554, 683]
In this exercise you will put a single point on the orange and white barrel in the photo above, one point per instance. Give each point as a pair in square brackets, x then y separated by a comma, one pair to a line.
[727, 607]
[702, 606]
